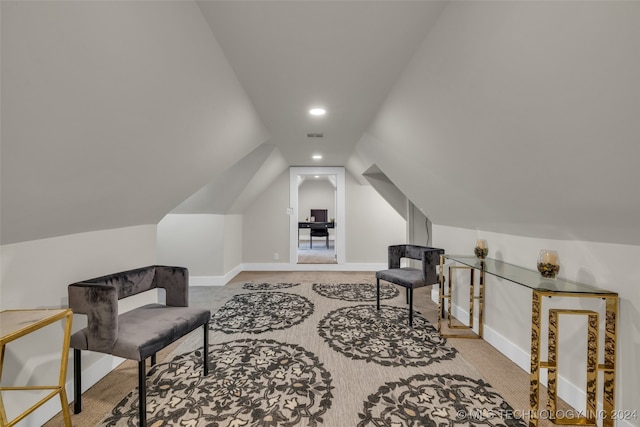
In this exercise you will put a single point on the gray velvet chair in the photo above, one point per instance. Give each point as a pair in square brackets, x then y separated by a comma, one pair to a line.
[137, 334]
[408, 277]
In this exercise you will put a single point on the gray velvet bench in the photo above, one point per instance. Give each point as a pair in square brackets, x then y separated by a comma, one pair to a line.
[137, 334]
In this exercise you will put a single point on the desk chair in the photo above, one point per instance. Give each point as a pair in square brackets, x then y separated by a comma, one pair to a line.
[320, 229]
[408, 277]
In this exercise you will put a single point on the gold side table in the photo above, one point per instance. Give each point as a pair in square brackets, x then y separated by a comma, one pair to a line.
[540, 288]
[15, 324]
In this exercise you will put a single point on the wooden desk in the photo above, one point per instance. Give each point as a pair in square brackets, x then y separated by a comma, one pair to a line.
[541, 288]
[15, 324]
[315, 226]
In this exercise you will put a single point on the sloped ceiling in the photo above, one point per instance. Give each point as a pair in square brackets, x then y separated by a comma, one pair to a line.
[387, 189]
[343, 55]
[516, 117]
[113, 113]
[238, 185]
[522, 118]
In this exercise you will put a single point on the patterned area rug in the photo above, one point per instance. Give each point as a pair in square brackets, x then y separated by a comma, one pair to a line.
[314, 355]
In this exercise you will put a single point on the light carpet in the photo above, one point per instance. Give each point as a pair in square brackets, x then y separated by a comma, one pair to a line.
[318, 254]
[320, 354]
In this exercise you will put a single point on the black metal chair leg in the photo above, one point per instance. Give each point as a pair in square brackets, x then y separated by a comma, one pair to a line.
[407, 294]
[378, 293]
[410, 306]
[142, 391]
[205, 349]
[153, 359]
[77, 382]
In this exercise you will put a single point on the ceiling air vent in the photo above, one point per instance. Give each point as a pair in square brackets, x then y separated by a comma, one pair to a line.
[315, 135]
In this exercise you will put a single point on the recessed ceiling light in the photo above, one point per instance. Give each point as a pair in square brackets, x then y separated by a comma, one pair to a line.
[317, 111]
[316, 156]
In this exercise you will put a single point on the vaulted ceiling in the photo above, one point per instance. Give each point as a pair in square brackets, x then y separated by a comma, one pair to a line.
[517, 117]
[342, 55]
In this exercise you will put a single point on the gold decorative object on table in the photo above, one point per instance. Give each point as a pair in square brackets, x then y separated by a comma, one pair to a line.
[548, 264]
[481, 250]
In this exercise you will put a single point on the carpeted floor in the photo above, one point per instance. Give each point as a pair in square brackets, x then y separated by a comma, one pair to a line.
[318, 254]
[309, 348]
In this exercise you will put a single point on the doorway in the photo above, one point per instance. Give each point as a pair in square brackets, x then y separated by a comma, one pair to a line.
[317, 191]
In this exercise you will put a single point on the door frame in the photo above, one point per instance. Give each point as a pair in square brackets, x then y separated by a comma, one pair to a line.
[339, 232]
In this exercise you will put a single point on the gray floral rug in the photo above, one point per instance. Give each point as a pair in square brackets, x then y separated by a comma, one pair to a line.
[314, 355]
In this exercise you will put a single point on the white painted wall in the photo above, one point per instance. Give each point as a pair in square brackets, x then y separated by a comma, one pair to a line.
[265, 228]
[316, 194]
[195, 241]
[520, 117]
[35, 274]
[508, 306]
[209, 245]
[371, 225]
[113, 113]
[232, 242]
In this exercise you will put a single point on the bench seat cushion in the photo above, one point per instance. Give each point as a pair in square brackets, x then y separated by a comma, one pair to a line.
[145, 330]
[405, 276]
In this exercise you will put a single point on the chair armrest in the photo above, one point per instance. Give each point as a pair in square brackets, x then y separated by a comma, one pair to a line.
[430, 260]
[395, 254]
[100, 303]
[175, 281]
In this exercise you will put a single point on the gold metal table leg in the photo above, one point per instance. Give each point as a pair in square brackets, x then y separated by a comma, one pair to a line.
[592, 368]
[63, 370]
[3, 414]
[592, 415]
[58, 389]
[609, 367]
[447, 294]
[534, 376]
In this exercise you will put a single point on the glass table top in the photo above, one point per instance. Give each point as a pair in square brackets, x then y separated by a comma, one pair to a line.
[526, 277]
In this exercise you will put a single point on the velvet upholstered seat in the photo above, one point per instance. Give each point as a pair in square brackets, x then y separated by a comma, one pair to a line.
[408, 277]
[139, 333]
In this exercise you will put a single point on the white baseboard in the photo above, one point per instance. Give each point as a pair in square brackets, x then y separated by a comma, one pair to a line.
[567, 391]
[273, 266]
[281, 266]
[215, 280]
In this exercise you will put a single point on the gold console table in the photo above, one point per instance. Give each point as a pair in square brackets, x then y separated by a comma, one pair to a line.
[18, 323]
[542, 287]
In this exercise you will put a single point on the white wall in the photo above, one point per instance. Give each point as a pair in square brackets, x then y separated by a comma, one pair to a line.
[232, 242]
[195, 241]
[209, 245]
[371, 225]
[35, 274]
[520, 117]
[113, 113]
[265, 228]
[316, 194]
[508, 306]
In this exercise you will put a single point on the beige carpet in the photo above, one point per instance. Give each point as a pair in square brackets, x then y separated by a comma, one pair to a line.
[354, 381]
[319, 254]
